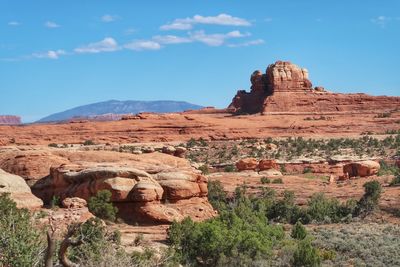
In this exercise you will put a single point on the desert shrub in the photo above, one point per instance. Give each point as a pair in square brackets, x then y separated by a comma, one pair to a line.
[285, 209]
[88, 143]
[323, 209]
[53, 145]
[230, 168]
[20, 243]
[277, 181]
[395, 181]
[101, 206]
[265, 180]
[306, 254]
[359, 244]
[224, 237]
[370, 199]
[298, 231]
[307, 170]
[204, 169]
[55, 202]
[216, 195]
[387, 169]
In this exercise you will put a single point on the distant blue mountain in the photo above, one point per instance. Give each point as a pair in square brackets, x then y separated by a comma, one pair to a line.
[121, 107]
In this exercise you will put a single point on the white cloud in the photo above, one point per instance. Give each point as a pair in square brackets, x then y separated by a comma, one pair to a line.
[221, 19]
[171, 39]
[130, 31]
[51, 24]
[14, 23]
[51, 54]
[140, 45]
[109, 18]
[106, 45]
[249, 43]
[381, 20]
[216, 39]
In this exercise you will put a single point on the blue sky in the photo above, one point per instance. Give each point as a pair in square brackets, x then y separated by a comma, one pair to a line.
[56, 55]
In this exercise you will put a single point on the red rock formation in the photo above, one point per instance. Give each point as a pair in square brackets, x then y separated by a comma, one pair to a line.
[9, 120]
[361, 168]
[266, 164]
[286, 88]
[19, 191]
[247, 164]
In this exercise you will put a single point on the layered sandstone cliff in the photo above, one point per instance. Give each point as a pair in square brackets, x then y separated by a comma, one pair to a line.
[285, 87]
[9, 120]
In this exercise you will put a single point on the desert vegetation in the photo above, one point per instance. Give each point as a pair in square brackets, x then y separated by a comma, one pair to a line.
[216, 153]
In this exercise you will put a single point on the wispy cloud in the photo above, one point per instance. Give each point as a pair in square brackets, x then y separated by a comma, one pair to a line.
[221, 19]
[51, 24]
[106, 45]
[171, 39]
[216, 39]
[14, 23]
[140, 45]
[51, 54]
[109, 18]
[249, 43]
[381, 20]
[130, 31]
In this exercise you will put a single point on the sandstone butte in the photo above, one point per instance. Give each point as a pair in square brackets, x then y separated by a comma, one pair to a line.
[9, 120]
[281, 102]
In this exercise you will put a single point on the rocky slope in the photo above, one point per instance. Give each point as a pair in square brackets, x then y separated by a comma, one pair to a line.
[9, 120]
[285, 87]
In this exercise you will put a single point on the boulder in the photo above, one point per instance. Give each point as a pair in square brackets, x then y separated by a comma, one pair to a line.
[73, 202]
[170, 150]
[180, 151]
[361, 168]
[247, 164]
[266, 164]
[19, 191]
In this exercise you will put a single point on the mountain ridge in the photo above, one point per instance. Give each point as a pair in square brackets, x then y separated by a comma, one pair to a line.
[120, 107]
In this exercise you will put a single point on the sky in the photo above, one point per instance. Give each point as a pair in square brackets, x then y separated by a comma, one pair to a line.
[59, 54]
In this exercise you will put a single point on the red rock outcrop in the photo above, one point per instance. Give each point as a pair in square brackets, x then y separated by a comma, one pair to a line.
[9, 120]
[266, 164]
[139, 196]
[247, 164]
[286, 88]
[361, 168]
[19, 191]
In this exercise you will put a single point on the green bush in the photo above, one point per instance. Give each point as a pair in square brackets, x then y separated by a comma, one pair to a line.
[306, 254]
[298, 231]
[53, 145]
[55, 202]
[101, 206]
[216, 195]
[277, 181]
[230, 168]
[20, 243]
[307, 170]
[265, 180]
[370, 200]
[88, 143]
[212, 241]
[387, 169]
[395, 181]
[204, 169]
